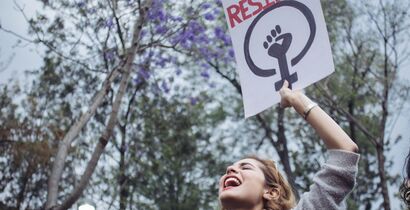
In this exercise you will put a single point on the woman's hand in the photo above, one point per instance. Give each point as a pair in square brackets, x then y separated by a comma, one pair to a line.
[286, 94]
[293, 98]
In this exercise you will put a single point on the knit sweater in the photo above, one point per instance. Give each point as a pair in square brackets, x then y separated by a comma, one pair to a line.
[331, 185]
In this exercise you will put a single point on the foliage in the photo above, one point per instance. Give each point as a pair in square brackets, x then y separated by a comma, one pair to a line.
[181, 116]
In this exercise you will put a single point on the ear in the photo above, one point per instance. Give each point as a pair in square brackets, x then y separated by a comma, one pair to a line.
[271, 194]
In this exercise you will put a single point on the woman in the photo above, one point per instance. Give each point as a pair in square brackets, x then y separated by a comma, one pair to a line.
[255, 184]
[405, 186]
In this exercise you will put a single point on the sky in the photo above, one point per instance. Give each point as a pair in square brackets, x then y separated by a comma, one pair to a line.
[12, 19]
[28, 57]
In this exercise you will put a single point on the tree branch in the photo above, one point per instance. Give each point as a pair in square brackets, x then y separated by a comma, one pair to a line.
[327, 95]
[103, 140]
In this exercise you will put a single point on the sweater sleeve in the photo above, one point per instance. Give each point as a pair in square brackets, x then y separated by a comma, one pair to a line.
[332, 183]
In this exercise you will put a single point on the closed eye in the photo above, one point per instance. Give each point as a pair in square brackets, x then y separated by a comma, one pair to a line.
[246, 166]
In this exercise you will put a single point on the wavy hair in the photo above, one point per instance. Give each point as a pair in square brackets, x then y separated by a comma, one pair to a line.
[275, 180]
[405, 186]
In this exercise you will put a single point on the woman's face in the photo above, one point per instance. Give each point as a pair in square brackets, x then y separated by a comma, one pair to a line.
[243, 185]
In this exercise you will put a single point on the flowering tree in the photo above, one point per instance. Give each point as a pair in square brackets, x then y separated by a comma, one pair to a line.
[94, 45]
[152, 87]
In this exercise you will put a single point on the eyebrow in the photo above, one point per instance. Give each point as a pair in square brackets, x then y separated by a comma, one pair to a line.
[246, 163]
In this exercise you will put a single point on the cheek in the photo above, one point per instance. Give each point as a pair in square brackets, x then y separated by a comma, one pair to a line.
[220, 183]
[254, 182]
[221, 180]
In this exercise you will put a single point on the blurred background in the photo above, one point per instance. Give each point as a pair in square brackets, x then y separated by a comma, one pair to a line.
[105, 105]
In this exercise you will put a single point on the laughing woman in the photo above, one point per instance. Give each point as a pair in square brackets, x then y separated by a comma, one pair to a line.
[405, 185]
[256, 184]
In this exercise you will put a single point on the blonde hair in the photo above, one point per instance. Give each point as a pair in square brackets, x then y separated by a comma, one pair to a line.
[275, 180]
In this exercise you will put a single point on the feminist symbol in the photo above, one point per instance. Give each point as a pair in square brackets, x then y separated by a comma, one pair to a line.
[277, 50]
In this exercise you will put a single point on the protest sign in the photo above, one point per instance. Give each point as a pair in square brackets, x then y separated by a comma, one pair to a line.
[276, 41]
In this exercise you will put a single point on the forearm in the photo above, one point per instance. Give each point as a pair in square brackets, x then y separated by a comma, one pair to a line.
[332, 134]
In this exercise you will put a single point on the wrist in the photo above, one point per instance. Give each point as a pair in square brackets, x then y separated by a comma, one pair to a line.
[301, 103]
[307, 110]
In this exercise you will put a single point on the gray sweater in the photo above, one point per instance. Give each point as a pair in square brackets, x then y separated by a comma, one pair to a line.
[331, 185]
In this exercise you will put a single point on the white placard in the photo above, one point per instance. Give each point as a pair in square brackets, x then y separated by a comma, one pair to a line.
[276, 41]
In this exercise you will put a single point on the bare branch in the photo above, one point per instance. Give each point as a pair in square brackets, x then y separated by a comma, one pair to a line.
[103, 140]
[339, 109]
[51, 48]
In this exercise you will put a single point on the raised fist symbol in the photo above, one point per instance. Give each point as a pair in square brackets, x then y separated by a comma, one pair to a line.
[278, 45]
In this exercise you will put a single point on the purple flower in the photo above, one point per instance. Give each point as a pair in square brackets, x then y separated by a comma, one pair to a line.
[178, 72]
[196, 27]
[209, 16]
[109, 23]
[205, 52]
[157, 11]
[161, 29]
[231, 53]
[206, 5]
[205, 65]
[109, 55]
[143, 33]
[137, 80]
[129, 2]
[193, 34]
[203, 39]
[81, 4]
[92, 10]
[205, 74]
[185, 44]
[144, 74]
[161, 15]
[219, 32]
[151, 53]
[162, 62]
[165, 87]
[227, 40]
[193, 101]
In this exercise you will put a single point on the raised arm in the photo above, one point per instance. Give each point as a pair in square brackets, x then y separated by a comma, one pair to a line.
[337, 176]
[332, 134]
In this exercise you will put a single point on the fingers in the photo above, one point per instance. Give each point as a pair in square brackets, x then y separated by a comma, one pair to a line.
[285, 84]
[284, 94]
[284, 88]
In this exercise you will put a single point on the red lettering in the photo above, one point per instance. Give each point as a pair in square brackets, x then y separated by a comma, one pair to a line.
[258, 4]
[233, 12]
[244, 10]
[269, 3]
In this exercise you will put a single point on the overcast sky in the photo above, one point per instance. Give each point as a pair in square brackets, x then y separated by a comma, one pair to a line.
[27, 57]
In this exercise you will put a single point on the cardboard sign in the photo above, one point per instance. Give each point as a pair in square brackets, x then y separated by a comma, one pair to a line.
[276, 41]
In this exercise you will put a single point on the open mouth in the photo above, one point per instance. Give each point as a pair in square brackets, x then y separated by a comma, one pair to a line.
[231, 182]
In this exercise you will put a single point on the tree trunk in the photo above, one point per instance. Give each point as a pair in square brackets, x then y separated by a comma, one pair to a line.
[383, 178]
[64, 145]
[122, 179]
[283, 150]
[385, 113]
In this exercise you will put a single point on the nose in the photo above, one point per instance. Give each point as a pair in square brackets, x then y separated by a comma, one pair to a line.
[231, 169]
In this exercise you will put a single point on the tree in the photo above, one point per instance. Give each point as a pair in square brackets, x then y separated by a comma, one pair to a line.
[169, 103]
[116, 60]
[367, 95]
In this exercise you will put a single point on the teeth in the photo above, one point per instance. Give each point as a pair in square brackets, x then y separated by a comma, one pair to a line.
[232, 179]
